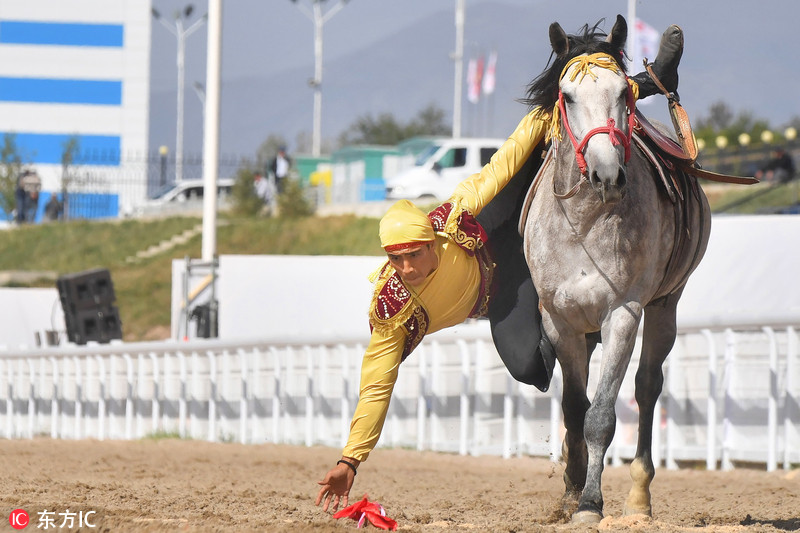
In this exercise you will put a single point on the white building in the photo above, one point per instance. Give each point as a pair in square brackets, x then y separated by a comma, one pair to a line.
[79, 69]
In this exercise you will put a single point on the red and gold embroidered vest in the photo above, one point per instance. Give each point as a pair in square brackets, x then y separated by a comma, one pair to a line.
[394, 305]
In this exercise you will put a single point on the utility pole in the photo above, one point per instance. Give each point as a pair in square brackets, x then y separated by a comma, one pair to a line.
[319, 19]
[180, 33]
[631, 44]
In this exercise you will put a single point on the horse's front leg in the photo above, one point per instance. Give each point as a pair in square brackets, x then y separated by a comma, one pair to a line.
[658, 338]
[619, 336]
[572, 356]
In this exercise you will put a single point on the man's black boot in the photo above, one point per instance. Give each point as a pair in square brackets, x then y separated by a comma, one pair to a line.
[665, 67]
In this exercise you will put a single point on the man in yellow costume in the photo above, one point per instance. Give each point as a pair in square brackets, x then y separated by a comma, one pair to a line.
[440, 272]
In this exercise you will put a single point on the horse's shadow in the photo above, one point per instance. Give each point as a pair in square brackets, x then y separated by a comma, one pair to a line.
[788, 524]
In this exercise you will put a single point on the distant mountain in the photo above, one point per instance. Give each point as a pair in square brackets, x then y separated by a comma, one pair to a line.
[410, 69]
[401, 75]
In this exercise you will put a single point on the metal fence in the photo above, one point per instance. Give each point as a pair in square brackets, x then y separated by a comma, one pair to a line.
[101, 185]
[731, 396]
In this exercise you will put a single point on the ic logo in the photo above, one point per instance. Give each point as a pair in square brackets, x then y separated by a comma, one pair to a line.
[18, 519]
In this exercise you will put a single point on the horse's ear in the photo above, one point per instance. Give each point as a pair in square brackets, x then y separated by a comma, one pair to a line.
[558, 40]
[619, 33]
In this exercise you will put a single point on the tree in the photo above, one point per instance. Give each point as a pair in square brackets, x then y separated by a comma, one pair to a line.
[386, 130]
[293, 202]
[10, 168]
[383, 129]
[70, 149]
[302, 143]
[429, 121]
[720, 116]
[245, 202]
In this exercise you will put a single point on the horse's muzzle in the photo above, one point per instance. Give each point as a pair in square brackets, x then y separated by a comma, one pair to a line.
[611, 188]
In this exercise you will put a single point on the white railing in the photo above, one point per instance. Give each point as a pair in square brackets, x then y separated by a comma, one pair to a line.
[731, 395]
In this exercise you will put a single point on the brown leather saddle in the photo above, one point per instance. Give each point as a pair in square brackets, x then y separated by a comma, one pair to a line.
[682, 153]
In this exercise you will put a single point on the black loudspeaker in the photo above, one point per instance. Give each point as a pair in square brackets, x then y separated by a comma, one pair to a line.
[87, 300]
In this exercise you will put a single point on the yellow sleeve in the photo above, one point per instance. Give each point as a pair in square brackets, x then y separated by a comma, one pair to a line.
[378, 376]
[479, 189]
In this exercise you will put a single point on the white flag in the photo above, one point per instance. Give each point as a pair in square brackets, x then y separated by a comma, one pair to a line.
[474, 80]
[645, 45]
[488, 77]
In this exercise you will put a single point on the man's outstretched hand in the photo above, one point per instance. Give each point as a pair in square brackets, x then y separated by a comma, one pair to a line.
[336, 486]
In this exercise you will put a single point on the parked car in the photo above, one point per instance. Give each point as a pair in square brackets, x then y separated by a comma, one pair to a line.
[185, 197]
[440, 168]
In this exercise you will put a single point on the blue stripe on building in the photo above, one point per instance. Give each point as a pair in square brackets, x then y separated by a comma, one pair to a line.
[48, 148]
[56, 91]
[62, 34]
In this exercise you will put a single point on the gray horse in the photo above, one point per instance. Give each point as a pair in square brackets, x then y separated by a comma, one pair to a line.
[606, 243]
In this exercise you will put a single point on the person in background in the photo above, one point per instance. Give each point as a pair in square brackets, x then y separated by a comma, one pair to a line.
[32, 184]
[779, 169]
[20, 198]
[262, 187]
[280, 169]
[53, 209]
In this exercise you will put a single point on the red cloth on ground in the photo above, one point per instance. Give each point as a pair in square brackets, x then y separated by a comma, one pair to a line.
[371, 511]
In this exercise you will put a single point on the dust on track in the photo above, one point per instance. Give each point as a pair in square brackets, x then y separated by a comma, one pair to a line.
[183, 485]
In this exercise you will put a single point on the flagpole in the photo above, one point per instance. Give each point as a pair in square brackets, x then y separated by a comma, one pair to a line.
[472, 96]
[479, 105]
[489, 114]
[489, 82]
[632, 33]
[458, 56]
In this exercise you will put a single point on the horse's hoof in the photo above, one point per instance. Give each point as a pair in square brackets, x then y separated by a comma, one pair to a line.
[586, 517]
[630, 511]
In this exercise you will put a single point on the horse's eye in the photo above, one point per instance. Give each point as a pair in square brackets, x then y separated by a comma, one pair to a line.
[624, 95]
[568, 99]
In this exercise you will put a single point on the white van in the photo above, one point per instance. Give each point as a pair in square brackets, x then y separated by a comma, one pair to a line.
[440, 168]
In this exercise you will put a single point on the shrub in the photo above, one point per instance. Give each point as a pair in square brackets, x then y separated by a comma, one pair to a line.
[244, 201]
[293, 202]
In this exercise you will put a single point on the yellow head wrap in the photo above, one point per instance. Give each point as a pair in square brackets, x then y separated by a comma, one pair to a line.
[404, 225]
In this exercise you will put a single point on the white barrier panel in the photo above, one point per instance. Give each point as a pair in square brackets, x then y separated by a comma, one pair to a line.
[731, 395]
[27, 313]
[747, 274]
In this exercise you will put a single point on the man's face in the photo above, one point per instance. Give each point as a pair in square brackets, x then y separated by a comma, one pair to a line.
[414, 264]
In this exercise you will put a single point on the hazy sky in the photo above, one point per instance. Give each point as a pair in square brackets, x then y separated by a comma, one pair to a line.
[740, 51]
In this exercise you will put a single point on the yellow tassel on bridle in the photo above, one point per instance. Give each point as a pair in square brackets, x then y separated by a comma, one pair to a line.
[599, 59]
[583, 68]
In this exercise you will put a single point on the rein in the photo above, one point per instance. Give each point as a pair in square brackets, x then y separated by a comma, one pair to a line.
[616, 135]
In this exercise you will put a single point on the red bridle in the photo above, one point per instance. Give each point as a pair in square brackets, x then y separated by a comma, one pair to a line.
[616, 135]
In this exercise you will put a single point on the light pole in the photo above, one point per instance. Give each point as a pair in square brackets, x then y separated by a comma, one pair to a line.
[458, 57]
[181, 33]
[200, 91]
[163, 151]
[319, 19]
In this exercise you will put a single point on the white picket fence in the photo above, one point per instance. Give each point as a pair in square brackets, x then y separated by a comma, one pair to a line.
[731, 395]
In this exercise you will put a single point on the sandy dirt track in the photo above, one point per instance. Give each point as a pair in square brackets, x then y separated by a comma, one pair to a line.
[174, 485]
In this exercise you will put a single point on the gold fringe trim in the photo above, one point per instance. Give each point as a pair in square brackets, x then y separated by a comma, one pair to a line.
[386, 326]
[373, 277]
[451, 226]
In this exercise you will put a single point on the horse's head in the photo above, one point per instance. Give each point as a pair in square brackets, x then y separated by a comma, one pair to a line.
[595, 105]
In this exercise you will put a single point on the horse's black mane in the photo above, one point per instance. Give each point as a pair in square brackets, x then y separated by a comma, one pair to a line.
[543, 90]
